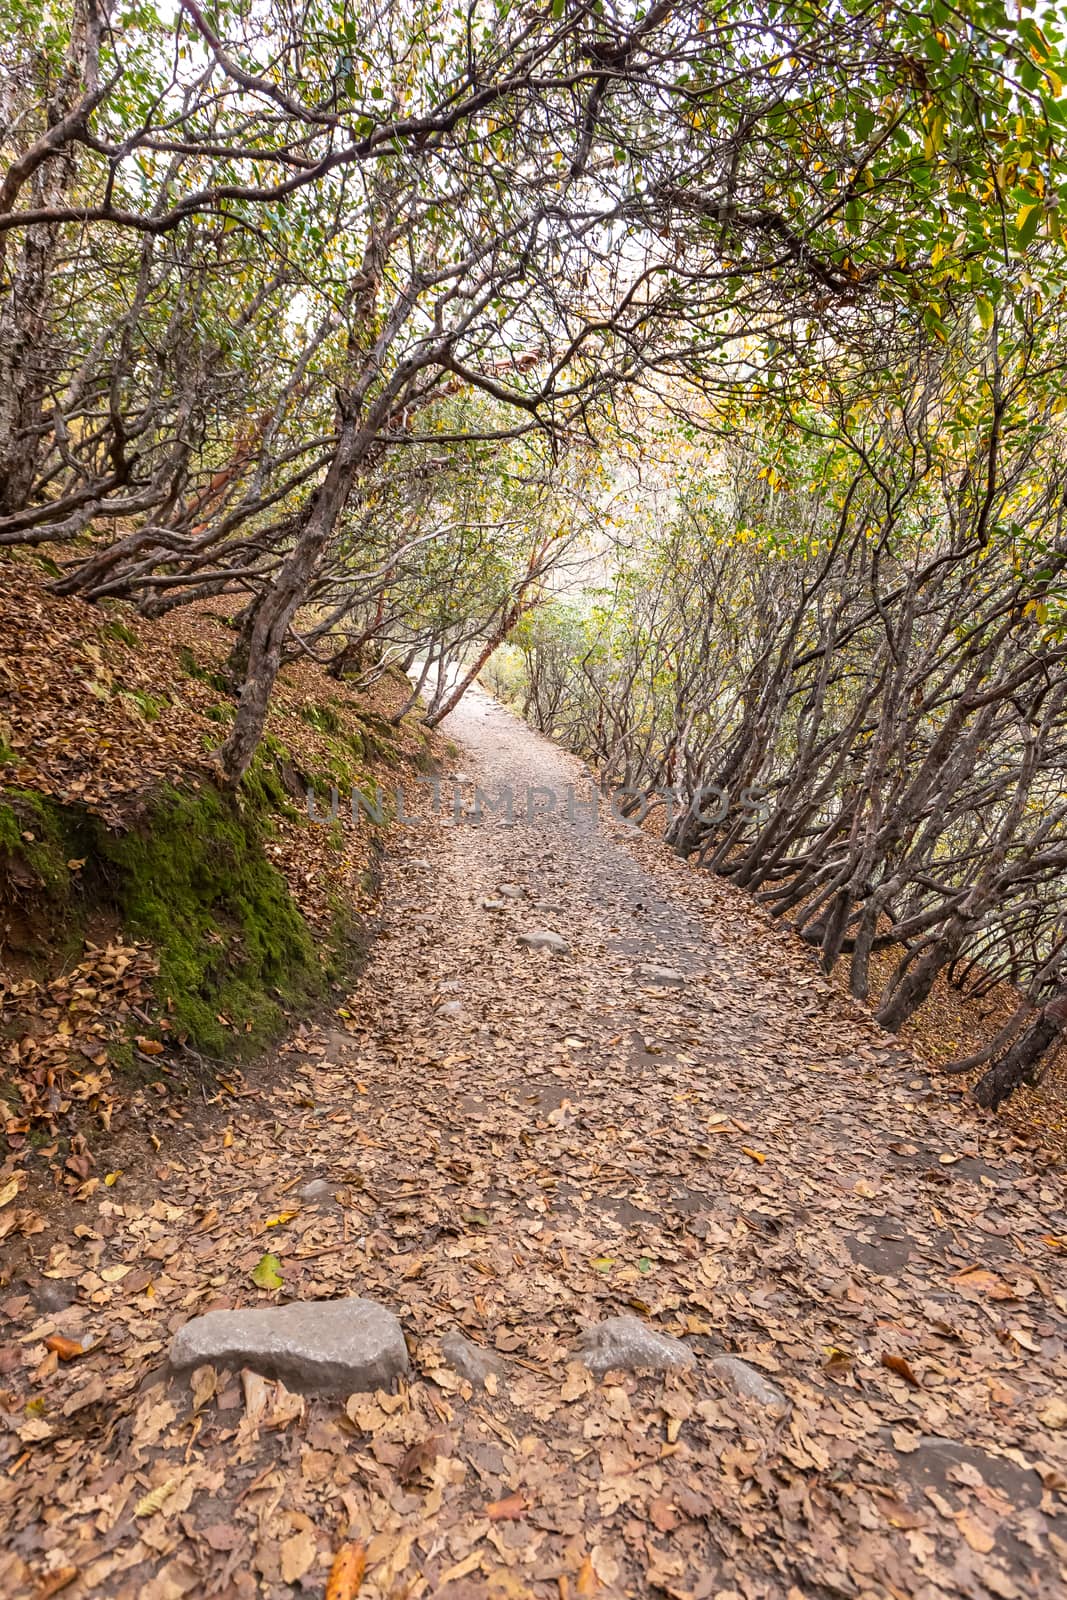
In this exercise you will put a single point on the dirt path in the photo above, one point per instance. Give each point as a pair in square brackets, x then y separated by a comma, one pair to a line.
[523, 1143]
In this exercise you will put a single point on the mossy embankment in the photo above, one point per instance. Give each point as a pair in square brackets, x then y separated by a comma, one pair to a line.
[188, 874]
[121, 853]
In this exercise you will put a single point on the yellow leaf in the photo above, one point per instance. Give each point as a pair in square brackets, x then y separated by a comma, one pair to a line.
[346, 1574]
[1025, 211]
[9, 1191]
[282, 1217]
[112, 1178]
[155, 1499]
[588, 1582]
[753, 1155]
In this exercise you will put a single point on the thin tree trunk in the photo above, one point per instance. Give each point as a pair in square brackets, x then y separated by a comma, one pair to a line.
[1022, 1064]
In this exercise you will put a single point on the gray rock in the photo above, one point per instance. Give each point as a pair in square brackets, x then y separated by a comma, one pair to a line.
[542, 939]
[629, 1344]
[472, 1361]
[745, 1380]
[509, 891]
[451, 1008]
[661, 977]
[419, 861]
[316, 1189]
[52, 1296]
[314, 1346]
[494, 905]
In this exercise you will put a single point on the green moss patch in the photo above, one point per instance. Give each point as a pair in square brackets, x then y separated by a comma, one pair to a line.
[192, 878]
[234, 951]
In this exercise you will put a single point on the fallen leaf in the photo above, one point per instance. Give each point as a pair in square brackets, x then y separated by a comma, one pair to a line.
[976, 1533]
[155, 1499]
[753, 1155]
[1054, 1415]
[509, 1510]
[54, 1582]
[298, 1554]
[9, 1191]
[587, 1580]
[266, 1274]
[65, 1349]
[149, 1047]
[346, 1574]
[902, 1369]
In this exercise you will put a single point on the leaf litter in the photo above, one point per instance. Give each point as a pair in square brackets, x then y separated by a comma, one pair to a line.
[564, 1149]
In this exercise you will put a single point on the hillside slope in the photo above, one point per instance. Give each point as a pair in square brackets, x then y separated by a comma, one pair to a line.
[153, 927]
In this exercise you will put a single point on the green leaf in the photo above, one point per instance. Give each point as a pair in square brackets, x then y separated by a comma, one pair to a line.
[985, 311]
[266, 1274]
[1027, 220]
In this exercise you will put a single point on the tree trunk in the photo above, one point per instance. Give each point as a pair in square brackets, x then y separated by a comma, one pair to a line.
[279, 604]
[507, 622]
[47, 165]
[1023, 1061]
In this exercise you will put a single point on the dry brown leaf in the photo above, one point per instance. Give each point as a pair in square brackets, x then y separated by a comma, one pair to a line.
[298, 1554]
[1054, 1415]
[507, 1510]
[976, 1533]
[901, 1367]
[54, 1582]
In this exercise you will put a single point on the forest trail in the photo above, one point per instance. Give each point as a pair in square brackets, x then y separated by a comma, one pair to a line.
[522, 1143]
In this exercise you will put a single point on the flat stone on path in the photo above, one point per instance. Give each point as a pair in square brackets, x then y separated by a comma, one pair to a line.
[542, 939]
[333, 1347]
[316, 1189]
[630, 1345]
[745, 1380]
[661, 977]
[472, 1361]
[509, 891]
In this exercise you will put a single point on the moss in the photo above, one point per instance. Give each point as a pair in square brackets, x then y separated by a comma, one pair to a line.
[38, 840]
[192, 669]
[234, 951]
[264, 789]
[120, 632]
[150, 708]
[324, 718]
